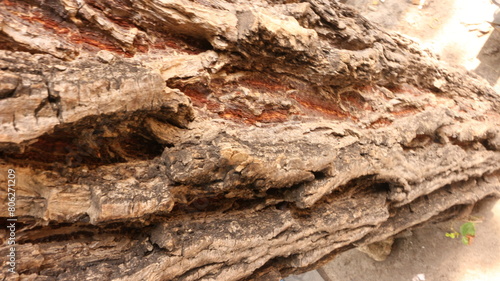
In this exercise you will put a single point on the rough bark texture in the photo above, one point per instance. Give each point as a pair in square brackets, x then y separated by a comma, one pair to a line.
[226, 140]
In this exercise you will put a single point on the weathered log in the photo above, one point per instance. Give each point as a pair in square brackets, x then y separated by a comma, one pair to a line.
[226, 140]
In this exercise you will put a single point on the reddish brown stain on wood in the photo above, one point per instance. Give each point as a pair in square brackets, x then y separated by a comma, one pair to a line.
[236, 115]
[356, 100]
[90, 39]
[263, 83]
[95, 40]
[267, 116]
[141, 47]
[404, 111]
[273, 116]
[48, 149]
[34, 16]
[325, 108]
[197, 93]
[199, 96]
[83, 36]
[365, 88]
[46, 23]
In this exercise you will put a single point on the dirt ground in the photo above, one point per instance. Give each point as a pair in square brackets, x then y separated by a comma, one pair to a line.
[459, 32]
[429, 255]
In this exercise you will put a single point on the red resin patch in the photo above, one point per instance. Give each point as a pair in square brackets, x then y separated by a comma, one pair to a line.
[325, 108]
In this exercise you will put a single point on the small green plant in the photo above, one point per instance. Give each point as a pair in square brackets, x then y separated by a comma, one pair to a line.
[467, 233]
[452, 235]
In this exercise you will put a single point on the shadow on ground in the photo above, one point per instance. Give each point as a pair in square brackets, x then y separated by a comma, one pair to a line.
[489, 56]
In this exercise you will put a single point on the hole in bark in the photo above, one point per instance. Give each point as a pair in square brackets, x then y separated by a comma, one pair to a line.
[356, 185]
[204, 204]
[199, 44]
[269, 267]
[165, 40]
[92, 141]
[319, 175]
[363, 185]
[282, 206]
[382, 187]
[487, 145]
[62, 237]
[474, 145]
[420, 141]
[275, 192]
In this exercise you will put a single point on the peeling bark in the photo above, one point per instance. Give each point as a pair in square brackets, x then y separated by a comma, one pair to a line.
[226, 140]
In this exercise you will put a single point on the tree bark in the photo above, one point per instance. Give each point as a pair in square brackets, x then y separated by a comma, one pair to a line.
[226, 140]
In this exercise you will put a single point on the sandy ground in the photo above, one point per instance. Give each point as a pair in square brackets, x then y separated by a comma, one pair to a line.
[429, 255]
[458, 31]
[426, 254]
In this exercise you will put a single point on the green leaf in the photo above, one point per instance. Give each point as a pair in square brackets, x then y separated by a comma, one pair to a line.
[468, 229]
[468, 232]
[465, 240]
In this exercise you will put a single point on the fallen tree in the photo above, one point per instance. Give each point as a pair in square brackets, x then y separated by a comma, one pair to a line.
[226, 140]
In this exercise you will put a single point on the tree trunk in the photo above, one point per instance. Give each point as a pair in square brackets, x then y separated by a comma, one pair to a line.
[225, 140]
